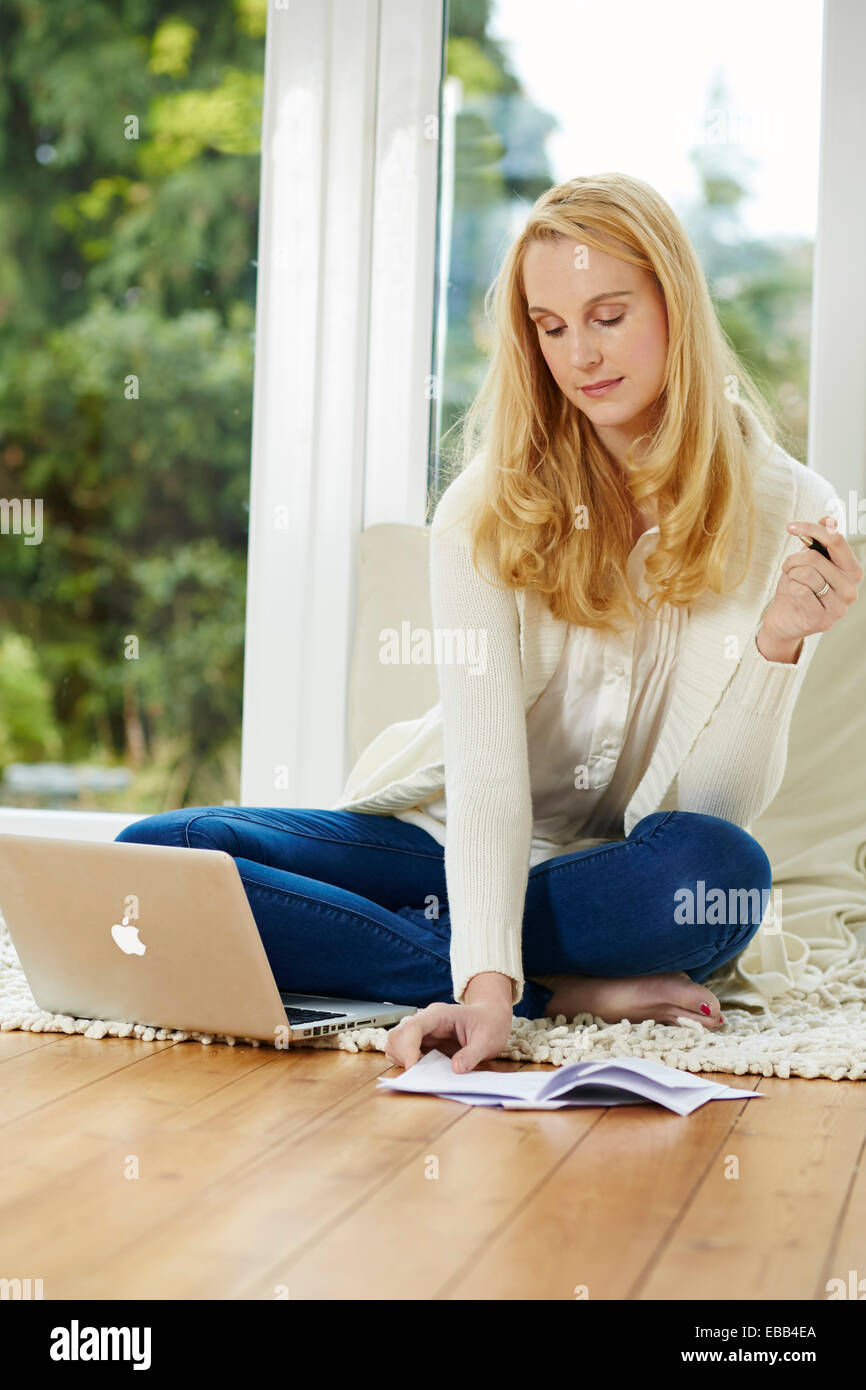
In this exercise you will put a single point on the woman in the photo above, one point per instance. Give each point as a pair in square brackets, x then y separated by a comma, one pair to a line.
[617, 541]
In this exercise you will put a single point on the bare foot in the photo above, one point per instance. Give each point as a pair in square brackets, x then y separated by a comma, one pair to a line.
[663, 998]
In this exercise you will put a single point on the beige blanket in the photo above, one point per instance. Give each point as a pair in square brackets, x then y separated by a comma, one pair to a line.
[815, 829]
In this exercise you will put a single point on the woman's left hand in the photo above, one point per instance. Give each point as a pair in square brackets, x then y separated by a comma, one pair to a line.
[796, 611]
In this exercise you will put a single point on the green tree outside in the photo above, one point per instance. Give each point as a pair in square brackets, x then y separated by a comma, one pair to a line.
[129, 184]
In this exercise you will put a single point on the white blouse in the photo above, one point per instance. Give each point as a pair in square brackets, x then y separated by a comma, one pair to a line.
[592, 731]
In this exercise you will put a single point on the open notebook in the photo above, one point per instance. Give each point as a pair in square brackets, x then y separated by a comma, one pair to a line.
[613, 1081]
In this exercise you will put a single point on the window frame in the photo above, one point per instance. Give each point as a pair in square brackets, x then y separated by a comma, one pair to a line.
[370, 73]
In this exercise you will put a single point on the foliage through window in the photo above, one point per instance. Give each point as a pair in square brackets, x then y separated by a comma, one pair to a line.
[130, 183]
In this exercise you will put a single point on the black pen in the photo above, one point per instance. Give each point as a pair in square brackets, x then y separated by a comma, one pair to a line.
[813, 544]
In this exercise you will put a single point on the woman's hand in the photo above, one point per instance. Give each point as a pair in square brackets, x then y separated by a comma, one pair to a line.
[479, 1028]
[795, 610]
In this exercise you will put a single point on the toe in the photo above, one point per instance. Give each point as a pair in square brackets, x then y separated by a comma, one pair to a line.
[708, 1022]
[694, 998]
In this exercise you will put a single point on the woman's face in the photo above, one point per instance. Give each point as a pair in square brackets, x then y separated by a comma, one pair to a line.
[599, 319]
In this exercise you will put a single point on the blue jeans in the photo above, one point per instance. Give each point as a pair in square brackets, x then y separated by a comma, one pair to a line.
[355, 905]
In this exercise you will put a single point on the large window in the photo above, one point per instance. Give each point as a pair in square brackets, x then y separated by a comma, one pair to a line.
[130, 190]
[718, 111]
[400, 145]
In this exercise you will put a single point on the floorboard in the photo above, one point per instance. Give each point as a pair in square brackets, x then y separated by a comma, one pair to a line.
[182, 1171]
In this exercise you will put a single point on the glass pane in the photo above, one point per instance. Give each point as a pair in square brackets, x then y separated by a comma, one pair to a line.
[130, 182]
[726, 130]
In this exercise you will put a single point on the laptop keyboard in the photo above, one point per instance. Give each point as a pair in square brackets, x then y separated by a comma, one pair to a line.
[307, 1015]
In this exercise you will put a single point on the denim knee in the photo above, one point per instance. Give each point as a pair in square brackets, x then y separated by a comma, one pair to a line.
[728, 858]
[758, 875]
[164, 828]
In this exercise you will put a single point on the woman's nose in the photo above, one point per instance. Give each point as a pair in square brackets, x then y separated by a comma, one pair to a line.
[584, 354]
[583, 346]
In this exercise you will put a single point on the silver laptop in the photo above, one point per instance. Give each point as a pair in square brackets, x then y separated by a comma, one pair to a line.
[156, 935]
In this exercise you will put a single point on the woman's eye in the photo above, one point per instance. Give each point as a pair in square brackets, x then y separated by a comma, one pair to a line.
[602, 323]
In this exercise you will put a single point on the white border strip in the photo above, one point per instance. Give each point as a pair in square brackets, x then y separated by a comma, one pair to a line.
[65, 825]
[400, 397]
[837, 419]
[344, 344]
[309, 398]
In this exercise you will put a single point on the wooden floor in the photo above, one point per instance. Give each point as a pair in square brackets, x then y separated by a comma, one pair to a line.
[266, 1174]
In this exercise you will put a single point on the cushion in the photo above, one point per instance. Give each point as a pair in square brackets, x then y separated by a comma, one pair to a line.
[393, 598]
[814, 830]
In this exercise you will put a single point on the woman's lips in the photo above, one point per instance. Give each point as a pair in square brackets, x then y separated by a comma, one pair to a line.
[602, 388]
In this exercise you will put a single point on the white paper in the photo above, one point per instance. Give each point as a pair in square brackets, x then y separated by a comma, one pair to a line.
[611, 1081]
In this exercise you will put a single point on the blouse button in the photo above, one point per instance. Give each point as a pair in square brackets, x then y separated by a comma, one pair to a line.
[619, 670]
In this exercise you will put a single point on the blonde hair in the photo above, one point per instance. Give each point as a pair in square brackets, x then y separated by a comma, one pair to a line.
[543, 460]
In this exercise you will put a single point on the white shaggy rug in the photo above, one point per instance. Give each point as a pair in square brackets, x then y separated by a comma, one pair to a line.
[817, 1032]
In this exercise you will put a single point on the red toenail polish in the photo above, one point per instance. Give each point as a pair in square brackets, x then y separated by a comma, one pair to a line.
[705, 1008]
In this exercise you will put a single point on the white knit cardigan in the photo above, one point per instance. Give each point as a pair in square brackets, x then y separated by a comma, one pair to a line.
[722, 748]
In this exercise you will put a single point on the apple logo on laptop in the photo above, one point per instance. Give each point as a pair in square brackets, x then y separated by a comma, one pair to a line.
[126, 937]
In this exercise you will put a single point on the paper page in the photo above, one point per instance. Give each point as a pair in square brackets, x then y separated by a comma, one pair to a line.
[434, 1075]
[612, 1081]
[625, 1068]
